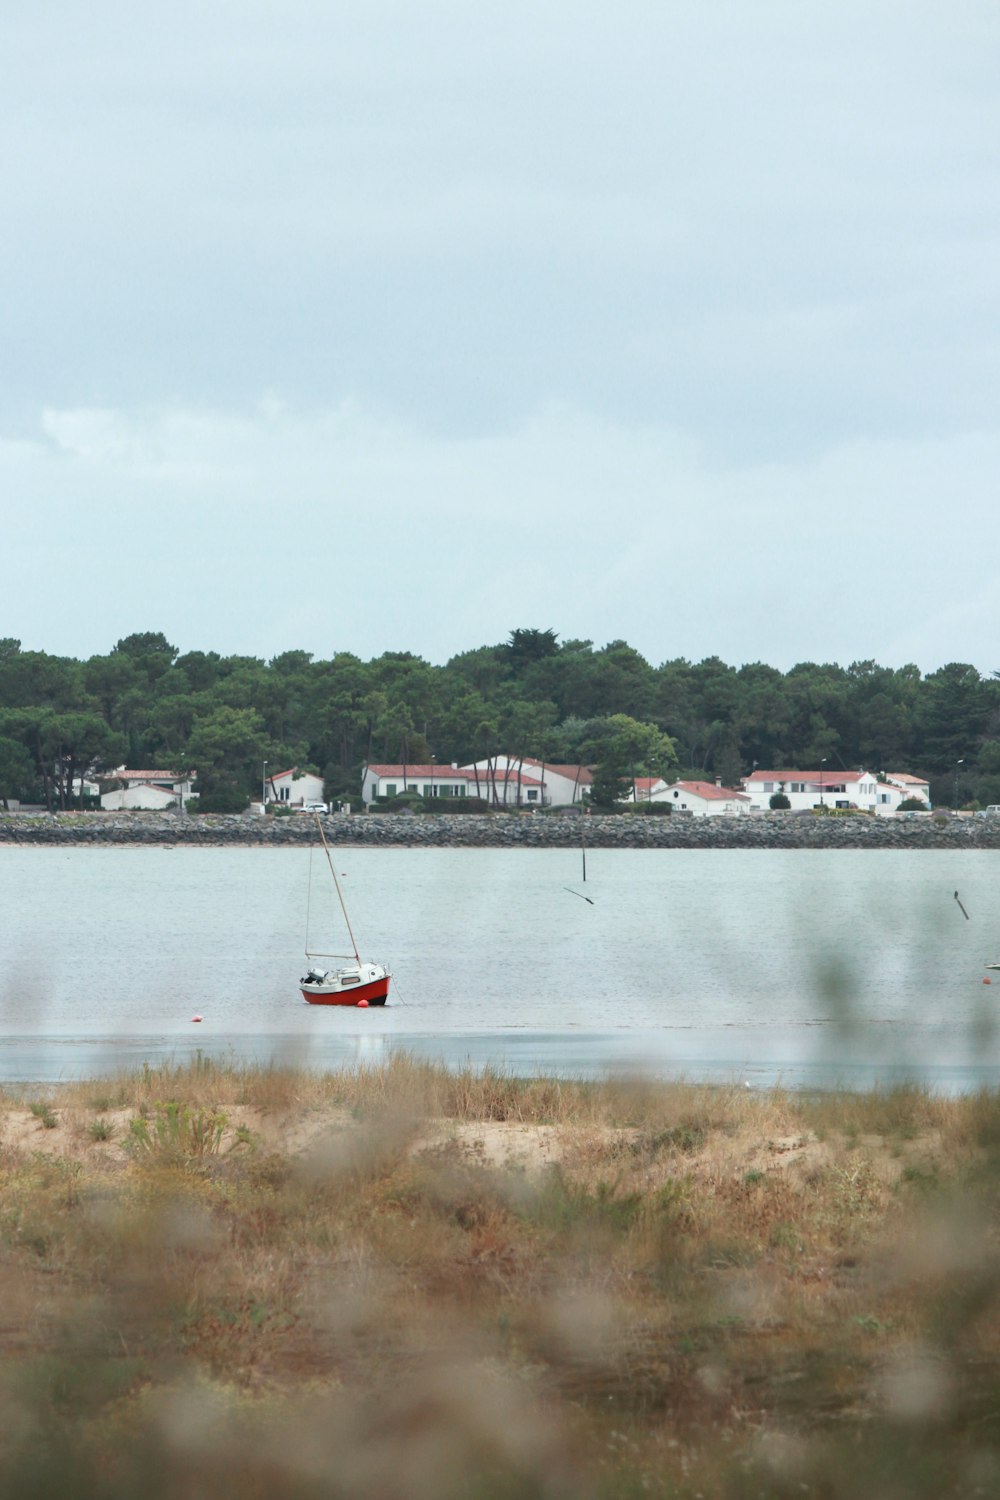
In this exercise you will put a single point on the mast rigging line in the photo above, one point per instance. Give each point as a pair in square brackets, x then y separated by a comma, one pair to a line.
[336, 883]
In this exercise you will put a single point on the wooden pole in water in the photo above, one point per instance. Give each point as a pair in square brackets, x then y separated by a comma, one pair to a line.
[583, 851]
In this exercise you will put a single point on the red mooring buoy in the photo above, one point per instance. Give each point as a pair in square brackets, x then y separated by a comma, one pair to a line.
[987, 980]
[196, 1018]
[362, 1005]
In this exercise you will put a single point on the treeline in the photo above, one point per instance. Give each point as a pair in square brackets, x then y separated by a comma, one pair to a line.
[148, 706]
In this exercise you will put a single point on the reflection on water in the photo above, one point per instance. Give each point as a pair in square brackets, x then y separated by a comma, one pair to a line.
[810, 968]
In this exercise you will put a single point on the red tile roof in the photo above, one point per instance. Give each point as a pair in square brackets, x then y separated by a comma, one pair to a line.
[451, 773]
[145, 776]
[438, 773]
[572, 773]
[824, 776]
[710, 792]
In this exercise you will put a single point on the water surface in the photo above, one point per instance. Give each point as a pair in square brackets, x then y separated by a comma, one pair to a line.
[803, 966]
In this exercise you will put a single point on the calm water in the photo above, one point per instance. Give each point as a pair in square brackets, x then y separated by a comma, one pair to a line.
[805, 967]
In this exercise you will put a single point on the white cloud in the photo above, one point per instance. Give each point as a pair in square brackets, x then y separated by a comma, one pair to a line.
[275, 527]
[674, 322]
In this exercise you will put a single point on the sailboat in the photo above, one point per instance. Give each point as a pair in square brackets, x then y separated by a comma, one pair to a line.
[353, 983]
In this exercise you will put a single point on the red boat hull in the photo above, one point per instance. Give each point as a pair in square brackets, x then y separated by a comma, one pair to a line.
[374, 993]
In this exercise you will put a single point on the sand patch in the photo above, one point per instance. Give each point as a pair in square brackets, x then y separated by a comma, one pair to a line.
[508, 1145]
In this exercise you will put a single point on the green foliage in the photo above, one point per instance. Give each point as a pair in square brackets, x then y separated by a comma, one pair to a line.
[610, 787]
[177, 1133]
[778, 802]
[624, 749]
[17, 770]
[555, 700]
[220, 792]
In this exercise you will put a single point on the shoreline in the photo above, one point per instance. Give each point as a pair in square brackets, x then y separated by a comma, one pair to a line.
[499, 831]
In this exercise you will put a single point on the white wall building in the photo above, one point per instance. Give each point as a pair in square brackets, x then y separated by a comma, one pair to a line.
[427, 781]
[910, 786]
[705, 799]
[646, 789]
[293, 788]
[557, 784]
[808, 789]
[500, 786]
[149, 790]
[501, 780]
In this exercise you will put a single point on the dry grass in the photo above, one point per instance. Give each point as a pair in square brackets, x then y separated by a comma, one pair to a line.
[399, 1281]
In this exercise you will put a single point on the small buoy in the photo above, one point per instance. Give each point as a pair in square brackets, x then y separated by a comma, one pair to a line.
[987, 980]
[362, 1005]
[196, 1018]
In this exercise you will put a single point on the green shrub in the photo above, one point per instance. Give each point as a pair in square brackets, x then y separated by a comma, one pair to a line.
[176, 1132]
[460, 805]
[403, 801]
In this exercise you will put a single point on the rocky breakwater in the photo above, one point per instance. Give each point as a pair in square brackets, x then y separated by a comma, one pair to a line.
[506, 830]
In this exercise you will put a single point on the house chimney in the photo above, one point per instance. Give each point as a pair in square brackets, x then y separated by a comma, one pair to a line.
[718, 780]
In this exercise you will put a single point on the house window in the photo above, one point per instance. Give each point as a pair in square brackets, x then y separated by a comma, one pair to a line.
[390, 789]
[769, 786]
[532, 796]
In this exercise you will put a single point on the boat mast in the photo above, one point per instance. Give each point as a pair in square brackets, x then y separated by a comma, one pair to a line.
[336, 882]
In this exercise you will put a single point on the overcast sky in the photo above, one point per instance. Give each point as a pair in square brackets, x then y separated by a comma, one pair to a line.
[398, 325]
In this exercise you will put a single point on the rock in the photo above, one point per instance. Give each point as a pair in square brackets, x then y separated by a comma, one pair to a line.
[490, 830]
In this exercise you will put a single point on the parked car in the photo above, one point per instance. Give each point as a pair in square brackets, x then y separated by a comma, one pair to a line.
[993, 811]
[314, 807]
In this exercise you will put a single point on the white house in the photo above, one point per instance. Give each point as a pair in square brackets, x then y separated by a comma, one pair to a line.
[808, 789]
[293, 788]
[149, 790]
[426, 781]
[143, 796]
[646, 789]
[910, 786]
[556, 784]
[500, 787]
[705, 799]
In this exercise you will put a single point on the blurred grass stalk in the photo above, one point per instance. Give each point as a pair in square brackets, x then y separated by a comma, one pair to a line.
[706, 1291]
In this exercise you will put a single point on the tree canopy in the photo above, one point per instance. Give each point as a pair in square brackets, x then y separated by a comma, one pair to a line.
[530, 695]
